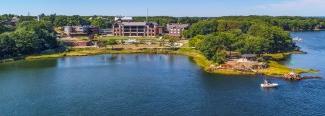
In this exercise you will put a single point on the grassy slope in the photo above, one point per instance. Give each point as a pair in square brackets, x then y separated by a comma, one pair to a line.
[92, 51]
[278, 56]
[200, 59]
[275, 68]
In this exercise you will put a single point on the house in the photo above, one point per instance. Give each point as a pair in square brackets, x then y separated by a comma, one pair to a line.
[176, 29]
[80, 30]
[74, 30]
[124, 27]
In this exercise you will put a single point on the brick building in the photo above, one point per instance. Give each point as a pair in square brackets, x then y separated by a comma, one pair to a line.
[80, 30]
[176, 29]
[126, 27]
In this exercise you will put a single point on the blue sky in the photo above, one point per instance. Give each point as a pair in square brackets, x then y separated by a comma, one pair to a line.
[165, 7]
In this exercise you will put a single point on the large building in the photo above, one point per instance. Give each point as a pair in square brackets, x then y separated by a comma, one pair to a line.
[80, 30]
[126, 27]
[176, 29]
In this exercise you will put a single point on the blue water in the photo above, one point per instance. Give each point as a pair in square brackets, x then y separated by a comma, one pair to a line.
[156, 85]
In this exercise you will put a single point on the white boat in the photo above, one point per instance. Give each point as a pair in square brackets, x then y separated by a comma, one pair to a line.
[266, 84]
[297, 39]
[269, 85]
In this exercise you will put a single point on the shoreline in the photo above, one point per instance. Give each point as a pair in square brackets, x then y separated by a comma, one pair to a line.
[275, 69]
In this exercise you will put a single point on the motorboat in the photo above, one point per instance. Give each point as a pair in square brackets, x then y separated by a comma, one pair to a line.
[297, 39]
[267, 84]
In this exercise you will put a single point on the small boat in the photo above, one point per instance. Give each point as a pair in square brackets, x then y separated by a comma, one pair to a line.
[267, 84]
[297, 39]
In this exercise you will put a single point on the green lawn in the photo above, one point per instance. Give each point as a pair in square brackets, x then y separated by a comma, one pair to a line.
[277, 56]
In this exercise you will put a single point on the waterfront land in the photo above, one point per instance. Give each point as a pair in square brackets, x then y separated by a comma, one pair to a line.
[275, 69]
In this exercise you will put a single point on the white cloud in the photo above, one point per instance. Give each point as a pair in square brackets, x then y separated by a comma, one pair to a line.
[294, 7]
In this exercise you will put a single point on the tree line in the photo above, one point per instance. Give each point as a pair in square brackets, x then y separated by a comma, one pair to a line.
[288, 23]
[102, 21]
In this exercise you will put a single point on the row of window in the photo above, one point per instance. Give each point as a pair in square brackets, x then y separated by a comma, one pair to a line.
[175, 29]
[175, 32]
[134, 31]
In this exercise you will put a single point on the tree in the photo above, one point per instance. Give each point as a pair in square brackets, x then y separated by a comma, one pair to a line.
[5, 28]
[70, 21]
[210, 46]
[201, 28]
[44, 31]
[60, 21]
[254, 45]
[29, 37]
[7, 46]
[196, 41]
[99, 22]
[171, 39]
[220, 56]
[111, 42]
[27, 41]
[51, 18]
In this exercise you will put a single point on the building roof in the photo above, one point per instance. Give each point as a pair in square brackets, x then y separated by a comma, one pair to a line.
[137, 23]
[79, 26]
[123, 18]
[177, 26]
[134, 23]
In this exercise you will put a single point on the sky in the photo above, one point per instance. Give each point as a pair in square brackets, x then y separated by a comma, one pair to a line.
[202, 8]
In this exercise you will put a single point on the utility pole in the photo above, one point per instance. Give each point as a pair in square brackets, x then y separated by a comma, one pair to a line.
[38, 18]
[147, 15]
